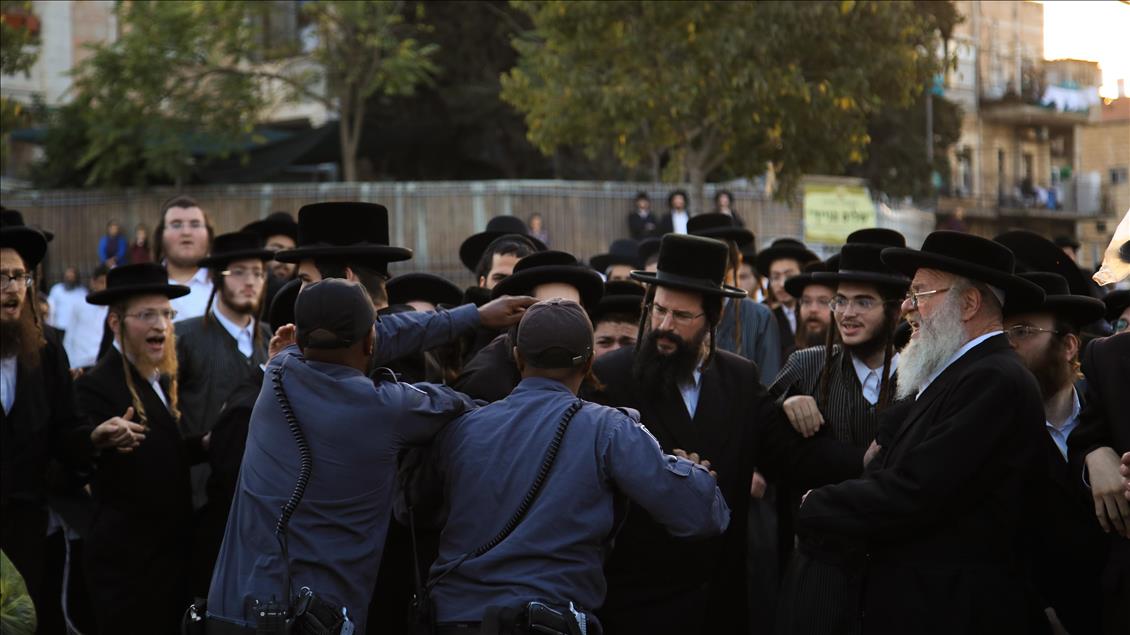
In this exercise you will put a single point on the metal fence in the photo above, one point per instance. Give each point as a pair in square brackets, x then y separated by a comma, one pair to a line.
[431, 218]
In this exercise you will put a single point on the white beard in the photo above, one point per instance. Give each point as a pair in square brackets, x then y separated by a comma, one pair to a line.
[937, 341]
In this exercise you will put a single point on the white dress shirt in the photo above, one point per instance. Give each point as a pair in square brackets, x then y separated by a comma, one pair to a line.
[956, 356]
[679, 221]
[869, 377]
[690, 390]
[196, 302]
[8, 382]
[790, 315]
[243, 335]
[63, 301]
[1060, 434]
[84, 336]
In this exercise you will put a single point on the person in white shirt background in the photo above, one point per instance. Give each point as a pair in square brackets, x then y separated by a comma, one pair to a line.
[64, 296]
[184, 237]
[84, 325]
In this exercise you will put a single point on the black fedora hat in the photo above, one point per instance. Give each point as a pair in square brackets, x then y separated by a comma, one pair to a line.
[966, 255]
[29, 243]
[282, 306]
[144, 278]
[15, 217]
[621, 297]
[1035, 253]
[796, 285]
[357, 231]
[784, 248]
[862, 262]
[477, 296]
[472, 249]
[622, 251]
[648, 249]
[877, 236]
[692, 263]
[1058, 300]
[404, 288]
[546, 267]
[1115, 303]
[276, 224]
[719, 226]
[228, 248]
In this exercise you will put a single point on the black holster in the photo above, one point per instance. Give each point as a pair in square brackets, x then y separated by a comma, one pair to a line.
[537, 618]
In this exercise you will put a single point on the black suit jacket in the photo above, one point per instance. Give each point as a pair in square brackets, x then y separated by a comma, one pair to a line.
[946, 509]
[640, 227]
[1105, 419]
[785, 331]
[657, 583]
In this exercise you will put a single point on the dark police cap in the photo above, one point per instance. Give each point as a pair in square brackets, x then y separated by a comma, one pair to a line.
[555, 334]
[332, 313]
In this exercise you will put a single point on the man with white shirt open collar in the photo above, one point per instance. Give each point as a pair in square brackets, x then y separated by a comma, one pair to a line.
[947, 506]
[183, 238]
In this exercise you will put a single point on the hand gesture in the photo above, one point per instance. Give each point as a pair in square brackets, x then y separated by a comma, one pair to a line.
[871, 453]
[283, 337]
[1107, 490]
[1124, 470]
[504, 312]
[757, 486]
[694, 458]
[119, 433]
[803, 415]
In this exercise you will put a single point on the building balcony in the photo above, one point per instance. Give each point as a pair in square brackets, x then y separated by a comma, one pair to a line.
[1021, 114]
[1070, 199]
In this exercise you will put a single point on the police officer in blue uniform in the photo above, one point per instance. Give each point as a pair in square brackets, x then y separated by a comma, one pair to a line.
[547, 570]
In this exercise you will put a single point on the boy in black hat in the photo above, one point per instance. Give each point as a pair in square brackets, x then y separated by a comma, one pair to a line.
[139, 584]
[1069, 561]
[492, 253]
[710, 404]
[491, 374]
[642, 222]
[622, 257]
[616, 318]
[783, 259]
[951, 489]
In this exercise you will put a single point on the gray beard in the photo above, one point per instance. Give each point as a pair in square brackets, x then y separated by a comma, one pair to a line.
[937, 341]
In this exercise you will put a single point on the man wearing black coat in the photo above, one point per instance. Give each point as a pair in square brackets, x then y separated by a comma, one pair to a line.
[708, 404]
[642, 222]
[945, 511]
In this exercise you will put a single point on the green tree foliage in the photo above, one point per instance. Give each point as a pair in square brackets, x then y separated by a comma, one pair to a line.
[19, 48]
[735, 85]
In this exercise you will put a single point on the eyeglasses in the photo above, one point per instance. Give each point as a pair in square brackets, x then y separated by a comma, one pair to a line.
[6, 279]
[244, 274]
[1121, 324]
[1025, 331]
[153, 316]
[863, 304]
[914, 296]
[679, 318]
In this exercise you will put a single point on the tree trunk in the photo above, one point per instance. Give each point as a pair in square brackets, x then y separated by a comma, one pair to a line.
[697, 174]
[656, 175]
[352, 114]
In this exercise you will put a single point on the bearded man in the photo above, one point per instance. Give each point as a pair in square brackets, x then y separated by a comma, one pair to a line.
[1072, 548]
[709, 404]
[944, 511]
[138, 547]
[279, 232]
[814, 315]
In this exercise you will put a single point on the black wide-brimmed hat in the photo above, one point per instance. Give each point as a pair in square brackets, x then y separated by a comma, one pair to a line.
[784, 248]
[648, 248]
[966, 255]
[281, 312]
[472, 249]
[749, 255]
[1058, 300]
[796, 285]
[719, 226]
[876, 236]
[1035, 253]
[862, 262]
[621, 297]
[547, 267]
[476, 295]
[622, 251]
[1115, 303]
[29, 243]
[404, 288]
[15, 217]
[692, 263]
[127, 281]
[227, 248]
[349, 230]
[277, 224]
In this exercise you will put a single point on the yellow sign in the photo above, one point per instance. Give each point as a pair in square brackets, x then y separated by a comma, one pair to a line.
[831, 212]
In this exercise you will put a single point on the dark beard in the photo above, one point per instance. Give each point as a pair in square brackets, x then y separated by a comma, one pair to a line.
[230, 300]
[808, 338]
[1052, 372]
[661, 374]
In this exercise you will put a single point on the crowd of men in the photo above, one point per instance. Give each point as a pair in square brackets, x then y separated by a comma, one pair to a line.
[264, 431]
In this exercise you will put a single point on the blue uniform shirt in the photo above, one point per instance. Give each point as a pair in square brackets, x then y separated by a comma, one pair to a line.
[336, 535]
[490, 457]
[400, 334]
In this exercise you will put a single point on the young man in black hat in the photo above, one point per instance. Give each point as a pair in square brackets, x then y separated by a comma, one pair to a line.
[783, 259]
[1071, 551]
[814, 298]
[278, 232]
[143, 492]
[952, 489]
[616, 318]
[678, 214]
[492, 253]
[711, 404]
[622, 257]
[642, 222]
[491, 374]
[352, 430]
[350, 241]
